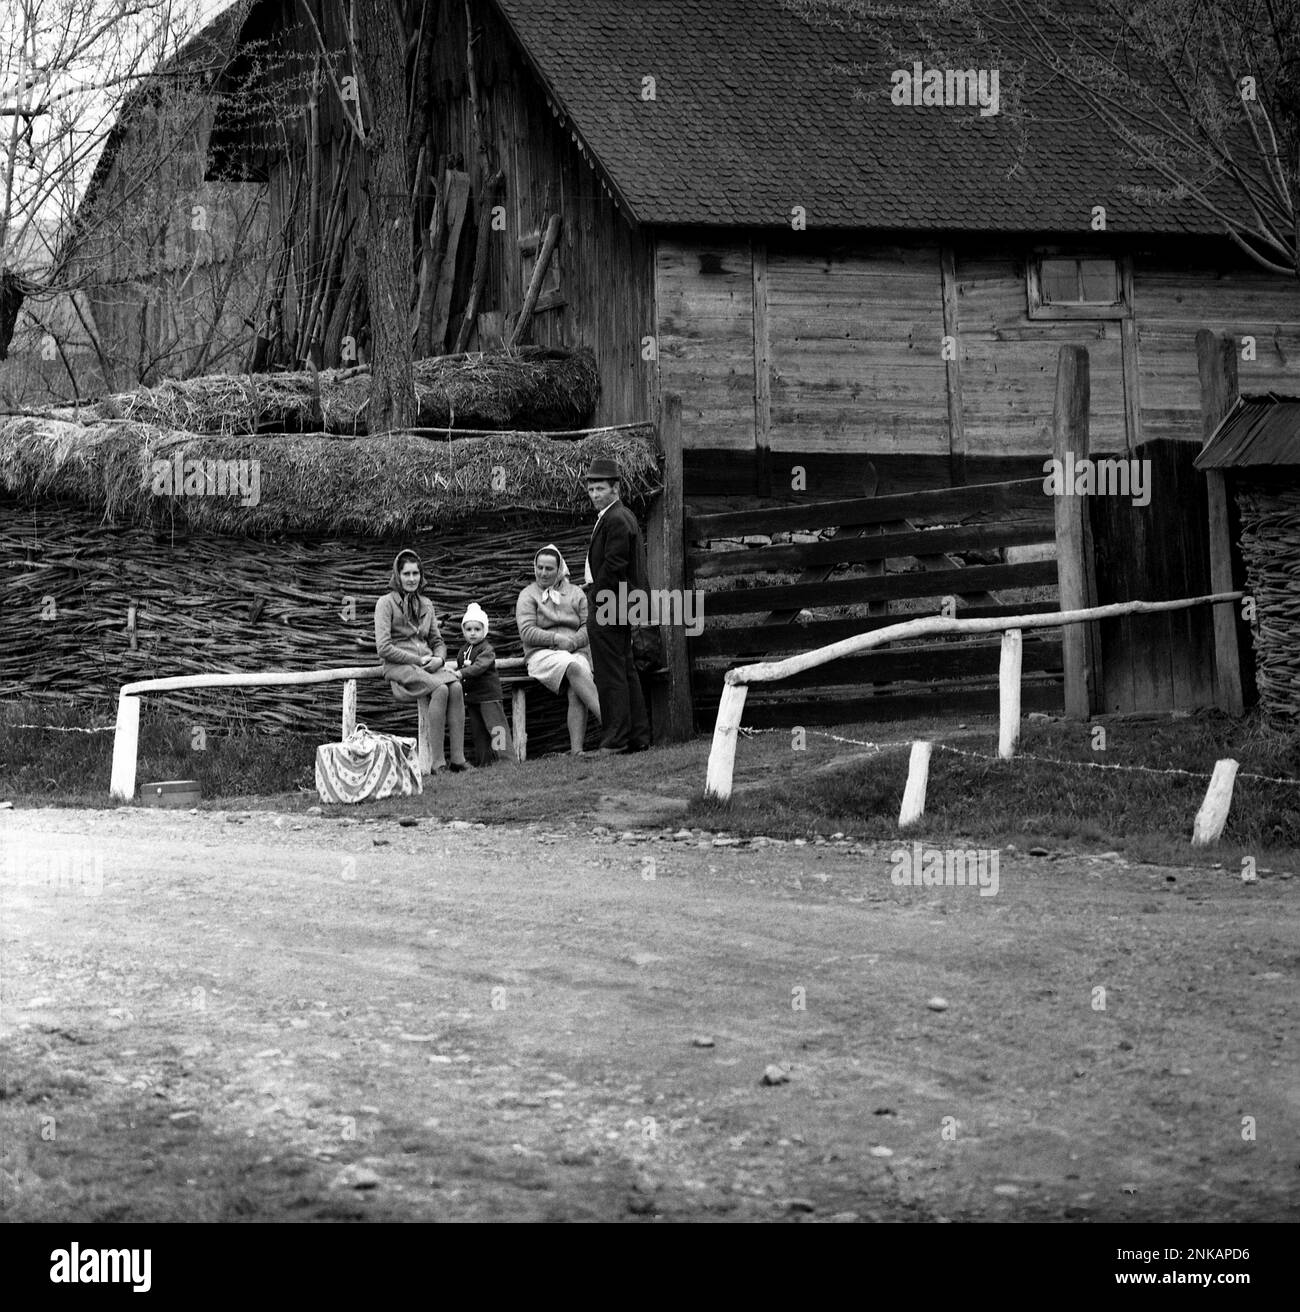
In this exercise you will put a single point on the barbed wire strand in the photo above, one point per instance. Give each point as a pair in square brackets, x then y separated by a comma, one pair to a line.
[1029, 756]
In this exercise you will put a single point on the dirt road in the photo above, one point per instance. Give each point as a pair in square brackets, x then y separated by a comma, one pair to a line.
[292, 1017]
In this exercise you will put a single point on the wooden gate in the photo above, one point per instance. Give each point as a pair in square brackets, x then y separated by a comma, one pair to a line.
[1155, 552]
[782, 580]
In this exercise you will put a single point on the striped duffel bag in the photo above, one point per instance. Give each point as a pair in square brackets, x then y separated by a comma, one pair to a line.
[367, 767]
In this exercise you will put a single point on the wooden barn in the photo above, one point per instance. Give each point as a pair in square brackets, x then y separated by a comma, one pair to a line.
[746, 219]
[862, 306]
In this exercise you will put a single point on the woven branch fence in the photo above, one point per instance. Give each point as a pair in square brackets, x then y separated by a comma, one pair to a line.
[1270, 548]
[69, 583]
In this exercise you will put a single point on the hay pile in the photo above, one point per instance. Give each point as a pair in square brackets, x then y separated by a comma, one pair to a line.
[531, 388]
[373, 486]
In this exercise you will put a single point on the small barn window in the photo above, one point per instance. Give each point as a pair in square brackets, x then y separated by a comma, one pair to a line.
[1063, 286]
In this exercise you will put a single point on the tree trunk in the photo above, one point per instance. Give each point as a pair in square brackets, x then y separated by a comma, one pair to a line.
[381, 45]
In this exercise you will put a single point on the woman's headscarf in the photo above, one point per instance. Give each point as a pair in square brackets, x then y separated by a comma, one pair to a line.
[409, 601]
[556, 591]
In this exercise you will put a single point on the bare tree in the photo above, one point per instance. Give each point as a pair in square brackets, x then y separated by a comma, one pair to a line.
[67, 68]
[1202, 96]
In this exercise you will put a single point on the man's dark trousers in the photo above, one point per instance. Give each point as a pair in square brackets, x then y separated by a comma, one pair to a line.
[617, 566]
[623, 719]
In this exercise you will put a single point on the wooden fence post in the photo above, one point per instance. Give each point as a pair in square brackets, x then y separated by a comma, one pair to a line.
[1074, 569]
[672, 711]
[126, 741]
[1216, 362]
[1009, 693]
[349, 708]
[1213, 815]
[918, 779]
[722, 755]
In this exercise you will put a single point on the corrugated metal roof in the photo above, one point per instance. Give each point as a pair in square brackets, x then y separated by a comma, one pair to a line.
[1258, 430]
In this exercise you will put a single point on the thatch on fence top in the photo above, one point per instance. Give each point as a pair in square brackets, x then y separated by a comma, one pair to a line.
[311, 483]
[531, 388]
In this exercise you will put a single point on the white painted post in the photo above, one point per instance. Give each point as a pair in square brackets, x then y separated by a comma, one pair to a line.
[1213, 814]
[126, 742]
[722, 755]
[918, 776]
[424, 737]
[349, 708]
[519, 722]
[1009, 693]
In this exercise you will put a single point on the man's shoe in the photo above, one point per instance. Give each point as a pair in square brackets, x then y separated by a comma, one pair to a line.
[609, 751]
[457, 766]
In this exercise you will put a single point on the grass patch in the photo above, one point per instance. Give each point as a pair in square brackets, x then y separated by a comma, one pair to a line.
[827, 787]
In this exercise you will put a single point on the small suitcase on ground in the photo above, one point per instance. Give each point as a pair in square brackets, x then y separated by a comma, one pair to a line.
[367, 768]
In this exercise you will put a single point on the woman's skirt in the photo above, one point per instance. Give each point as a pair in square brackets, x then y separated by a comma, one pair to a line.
[417, 681]
[549, 667]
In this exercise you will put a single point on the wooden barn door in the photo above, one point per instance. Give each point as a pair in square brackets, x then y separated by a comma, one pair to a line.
[1156, 552]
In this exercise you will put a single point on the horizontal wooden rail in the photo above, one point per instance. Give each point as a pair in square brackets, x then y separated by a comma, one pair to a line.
[843, 551]
[722, 755]
[761, 640]
[928, 663]
[887, 587]
[1021, 494]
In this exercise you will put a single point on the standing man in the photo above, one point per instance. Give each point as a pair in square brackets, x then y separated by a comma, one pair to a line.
[614, 558]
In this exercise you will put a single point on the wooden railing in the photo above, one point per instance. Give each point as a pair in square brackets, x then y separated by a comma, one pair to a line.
[722, 755]
[126, 739]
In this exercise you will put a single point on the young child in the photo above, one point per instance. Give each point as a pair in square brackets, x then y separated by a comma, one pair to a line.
[484, 709]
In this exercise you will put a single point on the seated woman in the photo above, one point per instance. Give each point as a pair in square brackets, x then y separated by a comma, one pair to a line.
[552, 619]
[415, 657]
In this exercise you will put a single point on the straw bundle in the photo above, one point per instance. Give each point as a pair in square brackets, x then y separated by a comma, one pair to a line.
[534, 388]
[312, 483]
[1270, 547]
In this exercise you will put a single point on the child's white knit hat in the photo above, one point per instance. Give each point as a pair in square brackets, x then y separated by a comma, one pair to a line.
[474, 614]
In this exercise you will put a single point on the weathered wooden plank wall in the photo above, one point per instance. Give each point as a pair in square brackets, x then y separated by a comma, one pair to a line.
[704, 293]
[1008, 361]
[1176, 293]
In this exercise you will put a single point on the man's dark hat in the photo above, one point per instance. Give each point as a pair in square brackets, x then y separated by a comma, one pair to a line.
[602, 471]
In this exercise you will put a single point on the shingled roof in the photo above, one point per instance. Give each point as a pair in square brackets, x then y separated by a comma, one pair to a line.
[760, 107]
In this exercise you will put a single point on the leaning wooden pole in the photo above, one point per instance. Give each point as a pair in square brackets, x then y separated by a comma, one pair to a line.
[520, 329]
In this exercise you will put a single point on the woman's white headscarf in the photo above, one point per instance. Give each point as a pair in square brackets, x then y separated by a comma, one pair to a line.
[556, 591]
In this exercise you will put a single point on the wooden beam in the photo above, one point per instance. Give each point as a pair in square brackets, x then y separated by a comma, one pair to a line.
[951, 326]
[1216, 363]
[667, 561]
[762, 373]
[1020, 494]
[892, 587]
[491, 189]
[754, 640]
[922, 663]
[1073, 545]
[520, 329]
[1128, 346]
[770, 671]
[929, 544]
[457, 193]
